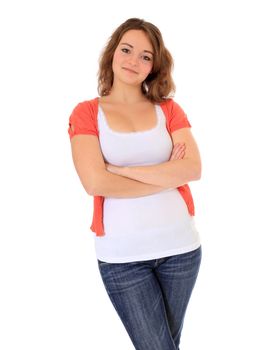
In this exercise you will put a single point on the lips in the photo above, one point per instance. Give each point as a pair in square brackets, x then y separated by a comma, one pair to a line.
[130, 70]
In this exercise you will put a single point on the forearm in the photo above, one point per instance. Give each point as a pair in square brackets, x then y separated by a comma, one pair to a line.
[171, 174]
[113, 185]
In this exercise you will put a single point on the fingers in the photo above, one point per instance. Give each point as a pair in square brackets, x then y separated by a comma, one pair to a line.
[179, 148]
[181, 154]
[178, 151]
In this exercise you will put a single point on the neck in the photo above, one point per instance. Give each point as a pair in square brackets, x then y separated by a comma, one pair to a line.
[127, 94]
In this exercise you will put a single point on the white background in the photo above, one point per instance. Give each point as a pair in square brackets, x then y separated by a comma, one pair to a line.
[52, 296]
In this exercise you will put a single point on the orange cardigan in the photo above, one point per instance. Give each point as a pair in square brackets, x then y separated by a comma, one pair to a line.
[84, 120]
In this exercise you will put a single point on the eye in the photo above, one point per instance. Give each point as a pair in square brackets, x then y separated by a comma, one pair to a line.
[125, 50]
[147, 58]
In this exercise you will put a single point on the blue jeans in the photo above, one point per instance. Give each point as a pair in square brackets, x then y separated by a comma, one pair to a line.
[151, 297]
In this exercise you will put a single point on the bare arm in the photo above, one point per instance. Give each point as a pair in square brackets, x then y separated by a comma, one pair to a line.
[96, 180]
[112, 185]
[171, 174]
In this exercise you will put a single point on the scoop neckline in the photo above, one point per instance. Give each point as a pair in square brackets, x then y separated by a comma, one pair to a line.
[129, 133]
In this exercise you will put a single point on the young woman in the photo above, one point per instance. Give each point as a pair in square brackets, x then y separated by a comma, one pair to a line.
[134, 152]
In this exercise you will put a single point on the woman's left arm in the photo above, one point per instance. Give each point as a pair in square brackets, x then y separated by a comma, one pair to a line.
[171, 174]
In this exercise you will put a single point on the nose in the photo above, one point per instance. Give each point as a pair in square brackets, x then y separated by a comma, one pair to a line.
[133, 60]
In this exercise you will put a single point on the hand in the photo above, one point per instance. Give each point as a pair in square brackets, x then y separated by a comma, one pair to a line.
[178, 151]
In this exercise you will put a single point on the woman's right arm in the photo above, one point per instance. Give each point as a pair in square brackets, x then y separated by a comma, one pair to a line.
[96, 180]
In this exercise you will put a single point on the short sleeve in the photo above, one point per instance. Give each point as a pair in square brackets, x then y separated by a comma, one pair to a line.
[82, 120]
[178, 118]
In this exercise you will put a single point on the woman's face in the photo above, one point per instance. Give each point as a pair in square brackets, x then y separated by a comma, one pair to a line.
[133, 57]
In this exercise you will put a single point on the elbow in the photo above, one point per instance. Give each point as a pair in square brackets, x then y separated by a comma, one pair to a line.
[92, 189]
[90, 192]
[198, 171]
[88, 189]
[193, 174]
[95, 187]
[195, 171]
[89, 186]
[94, 192]
[197, 177]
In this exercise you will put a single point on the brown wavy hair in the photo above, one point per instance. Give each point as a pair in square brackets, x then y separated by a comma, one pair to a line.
[159, 85]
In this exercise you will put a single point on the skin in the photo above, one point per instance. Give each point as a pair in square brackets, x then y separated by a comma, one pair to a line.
[126, 96]
[132, 63]
[126, 87]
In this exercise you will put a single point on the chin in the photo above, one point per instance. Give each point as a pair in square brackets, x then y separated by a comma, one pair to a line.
[130, 81]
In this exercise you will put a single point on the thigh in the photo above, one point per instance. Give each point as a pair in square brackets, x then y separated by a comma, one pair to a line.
[177, 276]
[136, 296]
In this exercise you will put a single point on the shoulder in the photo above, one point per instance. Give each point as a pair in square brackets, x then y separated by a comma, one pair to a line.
[172, 108]
[171, 105]
[175, 114]
[83, 118]
[86, 106]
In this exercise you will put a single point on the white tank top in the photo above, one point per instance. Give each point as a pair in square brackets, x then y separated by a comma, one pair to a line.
[148, 227]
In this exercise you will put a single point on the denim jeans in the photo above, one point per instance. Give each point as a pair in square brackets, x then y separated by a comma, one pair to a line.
[151, 297]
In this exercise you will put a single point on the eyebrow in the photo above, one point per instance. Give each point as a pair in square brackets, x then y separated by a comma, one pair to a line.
[133, 47]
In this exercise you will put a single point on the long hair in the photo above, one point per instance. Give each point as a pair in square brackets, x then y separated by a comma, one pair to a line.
[159, 84]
